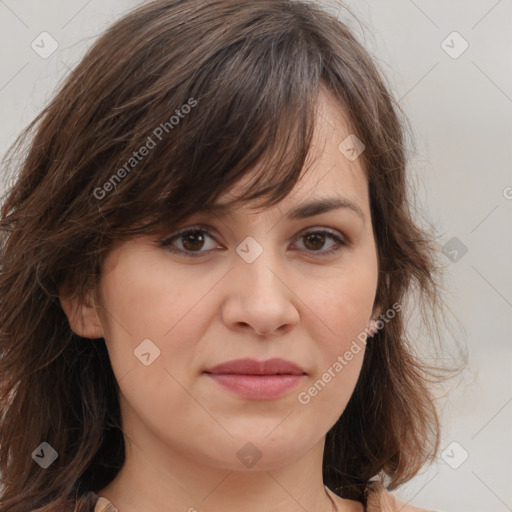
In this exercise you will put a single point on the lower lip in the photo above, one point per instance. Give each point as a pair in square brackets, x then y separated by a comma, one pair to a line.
[257, 386]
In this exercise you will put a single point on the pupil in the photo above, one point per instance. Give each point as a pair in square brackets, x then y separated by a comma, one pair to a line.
[194, 238]
[317, 238]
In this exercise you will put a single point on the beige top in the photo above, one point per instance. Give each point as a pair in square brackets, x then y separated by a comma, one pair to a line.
[379, 500]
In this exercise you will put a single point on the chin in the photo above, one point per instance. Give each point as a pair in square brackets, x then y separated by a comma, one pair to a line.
[258, 452]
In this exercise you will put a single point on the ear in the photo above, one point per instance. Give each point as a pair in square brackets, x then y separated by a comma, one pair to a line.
[82, 317]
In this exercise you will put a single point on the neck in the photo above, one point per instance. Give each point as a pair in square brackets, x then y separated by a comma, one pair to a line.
[184, 485]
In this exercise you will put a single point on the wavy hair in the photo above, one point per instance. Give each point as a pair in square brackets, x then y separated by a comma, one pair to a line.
[215, 87]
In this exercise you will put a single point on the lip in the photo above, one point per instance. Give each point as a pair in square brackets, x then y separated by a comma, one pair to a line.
[249, 366]
[258, 380]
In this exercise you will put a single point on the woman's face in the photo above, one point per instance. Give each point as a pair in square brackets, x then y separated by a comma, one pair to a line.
[258, 284]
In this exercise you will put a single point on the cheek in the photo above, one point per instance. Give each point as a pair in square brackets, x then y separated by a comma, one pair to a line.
[339, 335]
[342, 307]
[144, 298]
[344, 303]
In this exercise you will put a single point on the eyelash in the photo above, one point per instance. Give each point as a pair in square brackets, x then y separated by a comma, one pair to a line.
[166, 242]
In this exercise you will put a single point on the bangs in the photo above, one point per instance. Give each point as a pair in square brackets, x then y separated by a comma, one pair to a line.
[254, 92]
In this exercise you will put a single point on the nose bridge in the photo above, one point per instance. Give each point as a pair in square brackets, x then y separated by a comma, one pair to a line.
[254, 262]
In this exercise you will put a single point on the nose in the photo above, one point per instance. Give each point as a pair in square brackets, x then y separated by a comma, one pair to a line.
[260, 297]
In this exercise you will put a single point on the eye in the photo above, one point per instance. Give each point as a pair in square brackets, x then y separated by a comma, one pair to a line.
[190, 241]
[315, 240]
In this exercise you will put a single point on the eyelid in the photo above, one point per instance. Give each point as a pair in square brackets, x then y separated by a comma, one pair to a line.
[210, 229]
[315, 229]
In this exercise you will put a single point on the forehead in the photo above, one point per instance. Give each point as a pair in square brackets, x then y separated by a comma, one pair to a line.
[328, 171]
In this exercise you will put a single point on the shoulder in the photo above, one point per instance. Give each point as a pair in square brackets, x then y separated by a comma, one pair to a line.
[381, 500]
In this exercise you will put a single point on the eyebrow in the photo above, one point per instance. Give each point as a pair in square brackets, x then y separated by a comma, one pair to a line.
[304, 210]
[318, 206]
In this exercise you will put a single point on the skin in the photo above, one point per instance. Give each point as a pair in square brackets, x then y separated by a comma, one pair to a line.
[182, 431]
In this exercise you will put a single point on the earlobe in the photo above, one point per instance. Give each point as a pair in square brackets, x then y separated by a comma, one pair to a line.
[373, 324]
[82, 317]
[372, 327]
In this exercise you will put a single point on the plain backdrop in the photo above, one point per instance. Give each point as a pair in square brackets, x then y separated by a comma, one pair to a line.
[450, 66]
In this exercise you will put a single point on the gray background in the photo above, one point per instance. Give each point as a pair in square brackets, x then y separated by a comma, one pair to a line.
[460, 109]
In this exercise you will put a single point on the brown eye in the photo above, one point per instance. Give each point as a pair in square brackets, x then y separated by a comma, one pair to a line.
[192, 240]
[189, 242]
[315, 240]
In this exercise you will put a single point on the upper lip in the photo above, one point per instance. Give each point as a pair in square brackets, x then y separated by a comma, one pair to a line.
[249, 366]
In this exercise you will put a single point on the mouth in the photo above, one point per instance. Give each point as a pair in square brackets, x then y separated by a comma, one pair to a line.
[247, 366]
[259, 380]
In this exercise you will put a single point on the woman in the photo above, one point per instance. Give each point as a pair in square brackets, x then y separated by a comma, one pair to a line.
[206, 257]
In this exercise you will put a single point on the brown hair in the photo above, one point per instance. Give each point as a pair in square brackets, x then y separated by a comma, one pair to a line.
[249, 74]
